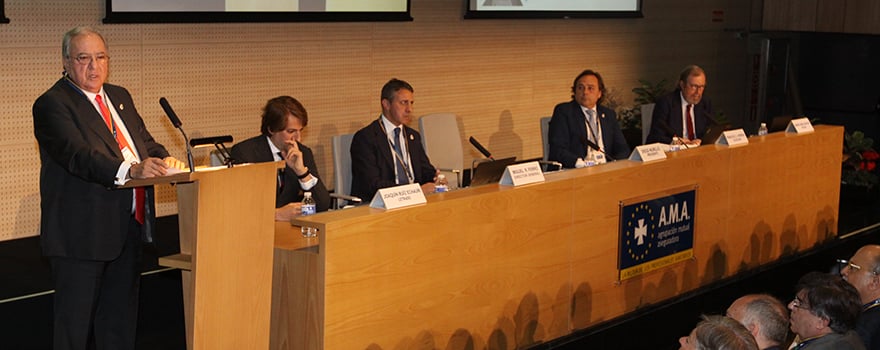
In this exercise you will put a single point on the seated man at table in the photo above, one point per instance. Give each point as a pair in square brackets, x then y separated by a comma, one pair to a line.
[387, 153]
[581, 129]
[683, 113]
[283, 121]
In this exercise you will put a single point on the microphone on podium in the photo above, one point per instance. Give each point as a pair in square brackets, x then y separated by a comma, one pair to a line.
[177, 124]
[480, 148]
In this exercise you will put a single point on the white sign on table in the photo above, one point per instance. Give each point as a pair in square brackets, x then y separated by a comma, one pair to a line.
[398, 197]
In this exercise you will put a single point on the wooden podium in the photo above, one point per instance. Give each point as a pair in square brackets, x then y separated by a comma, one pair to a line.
[226, 239]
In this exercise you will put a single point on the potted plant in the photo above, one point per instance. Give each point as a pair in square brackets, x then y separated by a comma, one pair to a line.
[860, 177]
[627, 117]
[647, 94]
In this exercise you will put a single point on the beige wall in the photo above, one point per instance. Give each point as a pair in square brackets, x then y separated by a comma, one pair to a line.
[498, 76]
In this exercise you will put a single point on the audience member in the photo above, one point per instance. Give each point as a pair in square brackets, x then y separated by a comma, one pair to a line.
[581, 124]
[862, 272]
[718, 333]
[765, 317]
[91, 140]
[824, 312]
[387, 152]
[684, 113]
[281, 128]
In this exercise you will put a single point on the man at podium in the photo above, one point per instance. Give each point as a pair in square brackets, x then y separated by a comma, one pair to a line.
[92, 140]
[281, 129]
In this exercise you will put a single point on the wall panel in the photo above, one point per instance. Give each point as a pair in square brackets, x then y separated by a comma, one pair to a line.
[498, 76]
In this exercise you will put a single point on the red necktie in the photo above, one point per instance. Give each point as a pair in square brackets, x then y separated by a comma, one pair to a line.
[690, 123]
[123, 144]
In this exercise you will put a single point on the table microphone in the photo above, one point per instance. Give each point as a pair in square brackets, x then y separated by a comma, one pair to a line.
[480, 148]
[177, 124]
[596, 147]
[668, 130]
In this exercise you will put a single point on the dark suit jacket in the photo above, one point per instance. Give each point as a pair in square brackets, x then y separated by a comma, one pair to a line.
[372, 165]
[868, 328]
[256, 150]
[835, 341]
[568, 132]
[84, 216]
[667, 116]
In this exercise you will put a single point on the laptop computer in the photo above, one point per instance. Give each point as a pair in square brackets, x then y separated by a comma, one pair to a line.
[490, 172]
[713, 132]
[779, 123]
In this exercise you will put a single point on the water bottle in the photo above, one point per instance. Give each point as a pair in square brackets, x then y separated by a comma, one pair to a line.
[762, 130]
[675, 145]
[441, 185]
[308, 208]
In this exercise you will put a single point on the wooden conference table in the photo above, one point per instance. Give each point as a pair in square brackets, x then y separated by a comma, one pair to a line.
[504, 267]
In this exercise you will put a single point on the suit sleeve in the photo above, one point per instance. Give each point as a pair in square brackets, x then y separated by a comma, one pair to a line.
[661, 116]
[319, 191]
[560, 134]
[426, 171]
[365, 168]
[60, 134]
[707, 108]
[618, 149]
[237, 154]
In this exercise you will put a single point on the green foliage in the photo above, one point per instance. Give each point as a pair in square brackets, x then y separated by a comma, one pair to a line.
[631, 117]
[649, 92]
[860, 161]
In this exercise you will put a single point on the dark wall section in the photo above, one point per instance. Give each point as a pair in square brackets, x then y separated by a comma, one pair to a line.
[839, 79]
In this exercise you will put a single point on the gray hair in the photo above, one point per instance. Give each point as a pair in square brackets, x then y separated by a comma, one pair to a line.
[723, 333]
[770, 314]
[75, 32]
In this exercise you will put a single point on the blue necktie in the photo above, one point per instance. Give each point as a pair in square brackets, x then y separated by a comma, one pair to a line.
[402, 176]
[592, 133]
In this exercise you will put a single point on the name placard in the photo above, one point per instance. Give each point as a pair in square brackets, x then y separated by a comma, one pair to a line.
[799, 126]
[398, 197]
[647, 153]
[733, 138]
[521, 174]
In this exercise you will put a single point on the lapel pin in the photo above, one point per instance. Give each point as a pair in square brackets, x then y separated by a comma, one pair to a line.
[411, 137]
[121, 107]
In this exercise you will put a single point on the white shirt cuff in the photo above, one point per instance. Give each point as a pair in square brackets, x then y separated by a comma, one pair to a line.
[309, 184]
[121, 173]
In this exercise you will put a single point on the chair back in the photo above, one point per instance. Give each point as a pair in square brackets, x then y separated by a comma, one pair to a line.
[647, 117]
[442, 142]
[341, 145]
[545, 129]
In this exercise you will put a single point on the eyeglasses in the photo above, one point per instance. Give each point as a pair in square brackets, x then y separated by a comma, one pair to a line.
[798, 303]
[852, 266]
[84, 59]
[695, 87]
